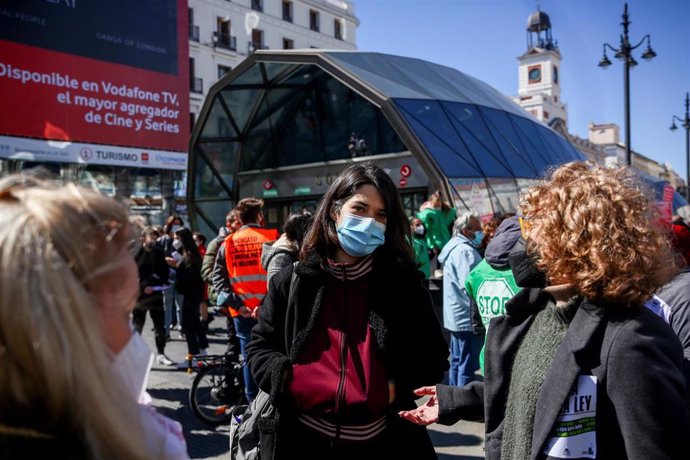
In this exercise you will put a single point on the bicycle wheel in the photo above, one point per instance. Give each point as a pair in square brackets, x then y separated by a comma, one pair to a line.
[212, 397]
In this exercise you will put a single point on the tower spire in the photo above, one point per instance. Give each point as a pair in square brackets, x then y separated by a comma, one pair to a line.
[539, 31]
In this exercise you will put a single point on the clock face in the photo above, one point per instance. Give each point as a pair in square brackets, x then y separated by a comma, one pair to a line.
[534, 74]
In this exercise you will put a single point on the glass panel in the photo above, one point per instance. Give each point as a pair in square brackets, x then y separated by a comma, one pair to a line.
[147, 186]
[466, 120]
[215, 211]
[571, 151]
[451, 163]
[412, 201]
[527, 131]
[550, 140]
[257, 145]
[274, 104]
[240, 102]
[441, 140]
[273, 69]
[304, 75]
[251, 76]
[508, 139]
[525, 184]
[471, 194]
[505, 195]
[217, 123]
[99, 178]
[223, 156]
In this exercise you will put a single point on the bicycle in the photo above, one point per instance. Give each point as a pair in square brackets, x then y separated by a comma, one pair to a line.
[217, 389]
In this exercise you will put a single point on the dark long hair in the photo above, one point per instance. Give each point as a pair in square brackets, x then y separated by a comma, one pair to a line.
[170, 221]
[322, 238]
[190, 253]
[296, 227]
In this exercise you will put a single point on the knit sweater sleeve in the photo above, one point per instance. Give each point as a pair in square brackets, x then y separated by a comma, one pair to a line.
[460, 403]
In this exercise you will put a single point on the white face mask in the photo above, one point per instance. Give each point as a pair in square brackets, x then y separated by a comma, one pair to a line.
[419, 230]
[177, 244]
[133, 365]
[175, 228]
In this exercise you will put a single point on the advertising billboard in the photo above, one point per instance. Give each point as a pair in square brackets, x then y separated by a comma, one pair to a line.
[108, 72]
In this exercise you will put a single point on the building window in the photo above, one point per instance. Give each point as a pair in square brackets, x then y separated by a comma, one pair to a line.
[338, 29]
[196, 84]
[314, 20]
[222, 37]
[555, 99]
[546, 115]
[287, 11]
[222, 70]
[257, 5]
[257, 42]
[555, 74]
[288, 44]
[192, 120]
[193, 30]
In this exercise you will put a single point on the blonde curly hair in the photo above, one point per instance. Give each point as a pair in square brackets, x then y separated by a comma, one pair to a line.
[596, 228]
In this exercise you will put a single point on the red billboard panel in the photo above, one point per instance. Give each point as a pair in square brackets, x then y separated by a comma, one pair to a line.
[112, 72]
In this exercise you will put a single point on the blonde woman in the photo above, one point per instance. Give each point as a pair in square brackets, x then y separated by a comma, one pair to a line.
[578, 367]
[73, 374]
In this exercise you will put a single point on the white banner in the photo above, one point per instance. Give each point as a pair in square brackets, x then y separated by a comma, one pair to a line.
[18, 148]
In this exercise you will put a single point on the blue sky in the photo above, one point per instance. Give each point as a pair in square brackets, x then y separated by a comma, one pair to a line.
[483, 38]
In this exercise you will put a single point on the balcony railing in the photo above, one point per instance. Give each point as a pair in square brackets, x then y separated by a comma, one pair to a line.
[194, 33]
[252, 47]
[196, 85]
[225, 40]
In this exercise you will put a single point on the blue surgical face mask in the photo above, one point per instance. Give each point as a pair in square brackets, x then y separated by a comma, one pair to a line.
[478, 235]
[359, 236]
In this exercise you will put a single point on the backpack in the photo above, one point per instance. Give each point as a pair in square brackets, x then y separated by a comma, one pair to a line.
[244, 429]
[245, 432]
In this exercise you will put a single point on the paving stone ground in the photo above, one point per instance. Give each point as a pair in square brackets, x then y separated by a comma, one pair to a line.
[169, 389]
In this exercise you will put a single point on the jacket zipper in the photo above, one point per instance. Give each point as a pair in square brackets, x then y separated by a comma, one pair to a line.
[340, 395]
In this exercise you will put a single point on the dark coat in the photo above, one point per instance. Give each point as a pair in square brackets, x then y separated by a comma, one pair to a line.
[153, 272]
[635, 357]
[407, 333]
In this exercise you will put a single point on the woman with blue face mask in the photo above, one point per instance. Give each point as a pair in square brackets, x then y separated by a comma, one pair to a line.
[345, 333]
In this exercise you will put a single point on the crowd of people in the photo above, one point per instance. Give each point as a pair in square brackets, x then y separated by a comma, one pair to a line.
[569, 322]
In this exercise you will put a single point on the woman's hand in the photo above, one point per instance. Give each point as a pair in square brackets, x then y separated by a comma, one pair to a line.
[171, 261]
[425, 414]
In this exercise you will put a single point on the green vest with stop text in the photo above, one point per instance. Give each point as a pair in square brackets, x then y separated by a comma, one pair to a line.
[490, 288]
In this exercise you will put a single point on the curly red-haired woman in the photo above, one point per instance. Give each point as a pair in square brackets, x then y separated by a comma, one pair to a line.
[578, 367]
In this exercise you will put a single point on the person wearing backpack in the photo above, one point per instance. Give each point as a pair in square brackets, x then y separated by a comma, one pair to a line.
[346, 334]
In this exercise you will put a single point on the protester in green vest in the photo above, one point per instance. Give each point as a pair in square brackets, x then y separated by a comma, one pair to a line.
[491, 283]
[438, 218]
[421, 250]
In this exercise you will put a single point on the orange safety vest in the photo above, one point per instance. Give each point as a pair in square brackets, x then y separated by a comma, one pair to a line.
[243, 259]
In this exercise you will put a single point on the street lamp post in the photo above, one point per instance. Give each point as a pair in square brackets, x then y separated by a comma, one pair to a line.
[624, 53]
[685, 123]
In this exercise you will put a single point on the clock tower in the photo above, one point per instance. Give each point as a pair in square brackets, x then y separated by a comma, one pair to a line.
[539, 73]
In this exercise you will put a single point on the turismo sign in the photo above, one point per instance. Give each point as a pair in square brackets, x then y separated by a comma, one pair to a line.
[16, 148]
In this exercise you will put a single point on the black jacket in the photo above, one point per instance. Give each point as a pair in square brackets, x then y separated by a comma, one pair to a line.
[635, 357]
[407, 333]
[153, 272]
